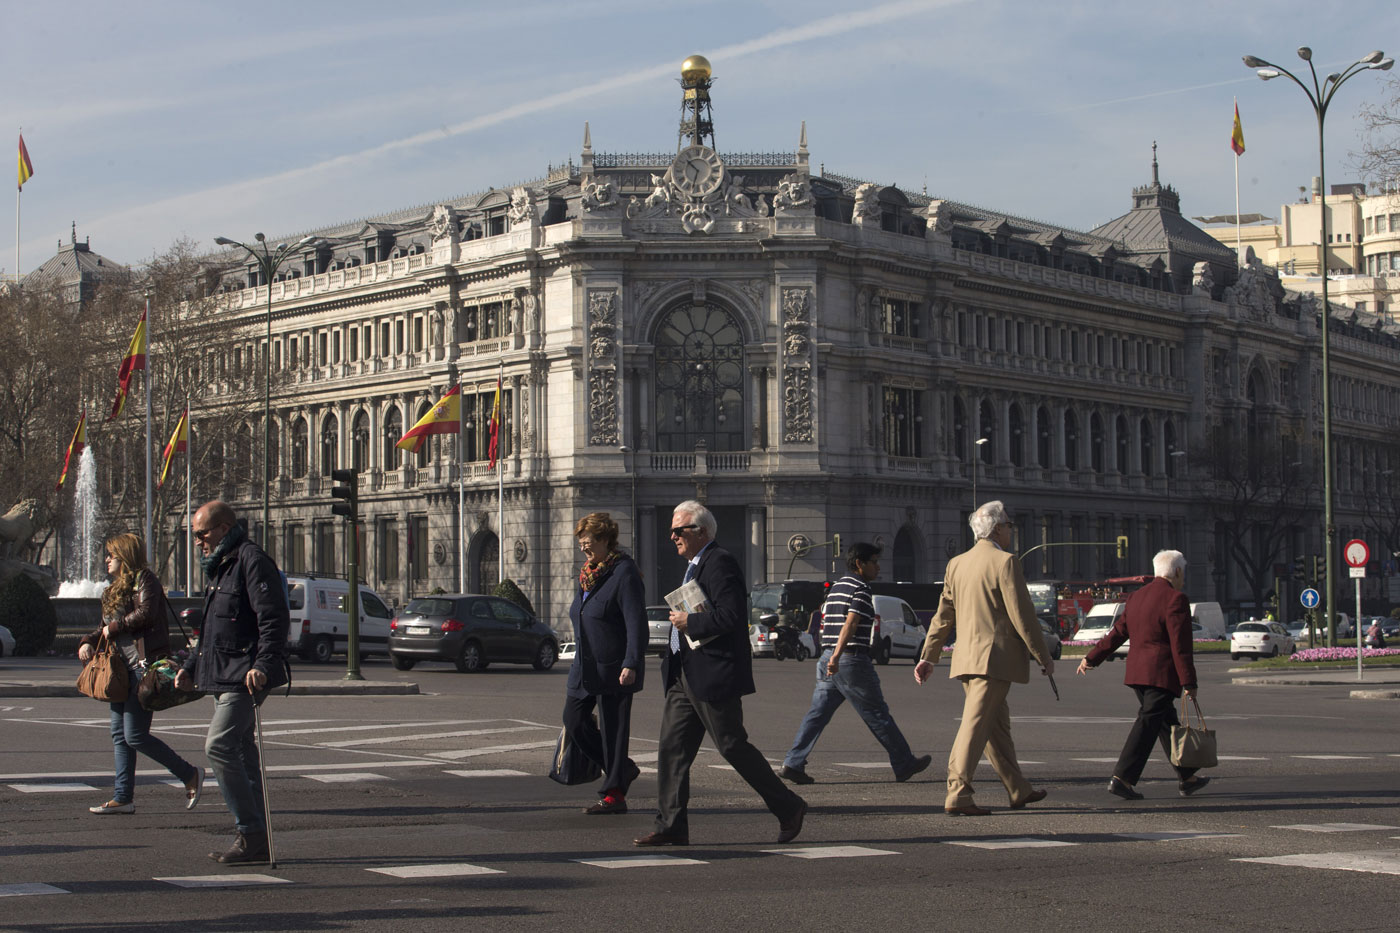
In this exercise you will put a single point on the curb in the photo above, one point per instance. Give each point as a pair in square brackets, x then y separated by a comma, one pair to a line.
[1375, 694]
[334, 688]
[1300, 682]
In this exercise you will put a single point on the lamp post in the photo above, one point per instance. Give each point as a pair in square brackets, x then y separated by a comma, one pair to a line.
[268, 261]
[1320, 97]
[1176, 461]
[631, 465]
[976, 465]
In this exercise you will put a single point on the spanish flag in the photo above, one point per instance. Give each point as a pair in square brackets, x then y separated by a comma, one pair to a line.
[1237, 134]
[135, 359]
[179, 443]
[75, 449]
[26, 168]
[443, 418]
[496, 424]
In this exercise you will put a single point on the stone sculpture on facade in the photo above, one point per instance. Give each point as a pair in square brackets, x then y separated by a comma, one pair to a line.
[597, 195]
[1254, 290]
[1202, 279]
[797, 366]
[939, 215]
[602, 368]
[522, 211]
[443, 223]
[866, 210]
[794, 196]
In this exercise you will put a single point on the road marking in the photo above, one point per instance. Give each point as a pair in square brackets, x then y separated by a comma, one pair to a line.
[222, 881]
[350, 778]
[1097, 760]
[67, 788]
[384, 725]
[1334, 757]
[722, 767]
[862, 764]
[1381, 862]
[27, 888]
[392, 739]
[443, 870]
[490, 750]
[1336, 827]
[1026, 843]
[489, 772]
[407, 762]
[640, 861]
[1239, 758]
[814, 852]
[1170, 836]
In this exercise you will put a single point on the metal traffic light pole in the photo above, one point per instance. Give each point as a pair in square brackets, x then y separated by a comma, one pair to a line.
[350, 492]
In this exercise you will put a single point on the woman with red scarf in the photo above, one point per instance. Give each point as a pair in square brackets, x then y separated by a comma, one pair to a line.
[610, 630]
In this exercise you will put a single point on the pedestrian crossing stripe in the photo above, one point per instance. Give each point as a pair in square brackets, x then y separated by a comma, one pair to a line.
[640, 861]
[31, 887]
[1022, 843]
[353, 777]
[63, 788]
[1336, 827]
[443, 870]
[222, 881]
[815, 852]
[489, 772]
[1173, 835]
[1334, 757]
[1382, 861]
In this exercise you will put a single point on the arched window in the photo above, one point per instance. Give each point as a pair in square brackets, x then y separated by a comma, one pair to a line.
[1071, 440]
[330, 444]
[1096, 442]
[699, 379]
[243, 455]
[906, 558]
[1145, 435]
[301, 442]
[987, 430]
[274, 460]
[393, 430]
[1016, 429]
[1043, 438]
[959, 429]
[1120, 431]
[359, 443]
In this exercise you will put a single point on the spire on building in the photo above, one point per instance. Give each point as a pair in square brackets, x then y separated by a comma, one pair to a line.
[697, 122]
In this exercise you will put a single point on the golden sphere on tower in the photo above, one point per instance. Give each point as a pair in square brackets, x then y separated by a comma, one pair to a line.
[695, 68]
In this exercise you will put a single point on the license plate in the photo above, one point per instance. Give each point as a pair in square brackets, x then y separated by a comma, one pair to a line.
[419, 630]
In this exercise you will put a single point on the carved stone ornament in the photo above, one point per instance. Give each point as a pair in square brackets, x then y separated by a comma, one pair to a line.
[520, 550]
[797, 406]
[521, 212]
[602, 325]
[794, 196]
[1202, 279]
[1253, 290]
[598, 195]
[797, 366]
[439, 553]
[698, 189]
[796, 327]
[866, 212]
[602, 408]
[602, 372]
[443, 222]
[939, 216]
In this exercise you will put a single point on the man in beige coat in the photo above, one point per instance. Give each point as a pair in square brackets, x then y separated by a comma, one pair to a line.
[986, 601]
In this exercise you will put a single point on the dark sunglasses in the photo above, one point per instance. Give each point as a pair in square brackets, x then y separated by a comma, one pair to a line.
[680, 530]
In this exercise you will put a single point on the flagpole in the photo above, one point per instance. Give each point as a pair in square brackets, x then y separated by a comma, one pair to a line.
[461, 503]
[500, 485]
[150, 542]
[19, 193]
[189, 538]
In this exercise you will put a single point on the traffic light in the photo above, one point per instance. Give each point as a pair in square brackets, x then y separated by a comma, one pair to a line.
[1319, 568]
[836, 546]
[1122, 546]
[350, 492]
[1300, 569]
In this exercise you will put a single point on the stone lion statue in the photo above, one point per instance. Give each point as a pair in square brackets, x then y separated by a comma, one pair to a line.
[16, 527]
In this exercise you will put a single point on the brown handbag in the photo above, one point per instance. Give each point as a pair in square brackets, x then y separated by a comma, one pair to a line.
[105, 676]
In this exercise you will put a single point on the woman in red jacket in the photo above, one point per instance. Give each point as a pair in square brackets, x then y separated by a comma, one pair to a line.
[134, 620]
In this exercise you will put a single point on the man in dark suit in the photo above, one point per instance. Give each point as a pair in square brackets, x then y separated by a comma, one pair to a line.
[1157, 619]
[707, 672]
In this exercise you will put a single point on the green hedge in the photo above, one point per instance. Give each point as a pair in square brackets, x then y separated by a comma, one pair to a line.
[26, 611]
[507, 589]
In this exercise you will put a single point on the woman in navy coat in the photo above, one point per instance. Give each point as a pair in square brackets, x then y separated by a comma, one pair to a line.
[610, 632]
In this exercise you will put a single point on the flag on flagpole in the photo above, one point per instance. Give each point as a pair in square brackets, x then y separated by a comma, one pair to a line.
[135, 359]
[496, 425]
[1237, 134]
[26, 167]
[75, 449]
[179, 443]
[443, 418]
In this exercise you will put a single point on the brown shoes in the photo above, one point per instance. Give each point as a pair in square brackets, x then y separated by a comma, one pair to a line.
[662, 839]
[245, 849]
[1034, 796]
[608, 804]
[970, 810]
[790, 827]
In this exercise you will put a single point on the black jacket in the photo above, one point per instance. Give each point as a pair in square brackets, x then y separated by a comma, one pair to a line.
[722, 669]
[144, 618]
[245, 623]
[610, 633]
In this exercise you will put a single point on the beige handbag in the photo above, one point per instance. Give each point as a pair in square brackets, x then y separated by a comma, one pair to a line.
[1193, 747]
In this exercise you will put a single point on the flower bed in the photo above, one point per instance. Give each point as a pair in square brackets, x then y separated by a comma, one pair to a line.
[1341, 654]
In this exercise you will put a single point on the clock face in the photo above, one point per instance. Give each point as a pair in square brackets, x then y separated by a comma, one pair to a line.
[697, 171]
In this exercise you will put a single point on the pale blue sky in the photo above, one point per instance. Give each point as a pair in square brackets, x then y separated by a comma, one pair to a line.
[168, 118]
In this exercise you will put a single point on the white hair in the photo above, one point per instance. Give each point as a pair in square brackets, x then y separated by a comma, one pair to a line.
[986, 518]
[1168, 563]
[699, 515]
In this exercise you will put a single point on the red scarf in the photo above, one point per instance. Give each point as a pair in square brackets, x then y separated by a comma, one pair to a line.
[591, 574]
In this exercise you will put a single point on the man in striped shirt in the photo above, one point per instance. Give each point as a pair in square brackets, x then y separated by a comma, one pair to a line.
[845, 671]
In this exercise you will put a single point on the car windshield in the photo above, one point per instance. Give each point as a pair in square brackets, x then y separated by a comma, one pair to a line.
[766, 597]
[429, 607]
[296, 596]
[1251, 627]
[1043, 596]
[659, 613]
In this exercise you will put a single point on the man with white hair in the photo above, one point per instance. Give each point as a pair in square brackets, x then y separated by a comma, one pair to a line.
[1159, 669]
[985, 597]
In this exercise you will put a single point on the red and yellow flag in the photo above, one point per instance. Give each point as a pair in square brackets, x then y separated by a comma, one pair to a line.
[135, 359]
[1237, 134]
[443, 418]
[496, 424]
[26, 167]
[179, 443]
[75, 449]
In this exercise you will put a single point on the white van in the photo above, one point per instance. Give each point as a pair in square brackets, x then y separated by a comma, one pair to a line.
[897, 632]
[320, 626]
[1208, 621]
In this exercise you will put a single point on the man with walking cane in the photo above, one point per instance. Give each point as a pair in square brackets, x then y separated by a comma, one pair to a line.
[241, 656]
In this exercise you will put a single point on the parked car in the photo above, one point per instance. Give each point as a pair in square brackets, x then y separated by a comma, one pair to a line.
[1260, 640]
[567, 651]
[320, 626]
[7, 642]
[471, 632]
[659, 629]
[1098, 621]
[897, 632]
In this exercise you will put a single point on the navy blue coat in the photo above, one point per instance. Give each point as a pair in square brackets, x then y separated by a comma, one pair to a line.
[720, 670]
[245, 623]
[610, 633]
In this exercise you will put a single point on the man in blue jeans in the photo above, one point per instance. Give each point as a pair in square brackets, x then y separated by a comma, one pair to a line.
[846, 672]
[241, 656]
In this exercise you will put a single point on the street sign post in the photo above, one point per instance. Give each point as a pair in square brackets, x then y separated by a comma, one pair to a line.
[1357, 555]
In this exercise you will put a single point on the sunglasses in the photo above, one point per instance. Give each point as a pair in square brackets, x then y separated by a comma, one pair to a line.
[201, 534]
[680, 530]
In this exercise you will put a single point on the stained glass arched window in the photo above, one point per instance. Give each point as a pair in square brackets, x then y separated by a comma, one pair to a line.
[699, 380]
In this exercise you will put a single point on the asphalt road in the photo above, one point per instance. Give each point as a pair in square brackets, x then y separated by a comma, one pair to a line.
[431, 812]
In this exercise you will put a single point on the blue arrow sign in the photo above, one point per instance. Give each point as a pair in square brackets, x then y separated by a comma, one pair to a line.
[1309, 598]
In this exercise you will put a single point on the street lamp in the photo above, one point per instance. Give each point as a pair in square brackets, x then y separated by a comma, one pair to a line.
[268, 261]
[1320, 97]
[976, 464]
[631, 464]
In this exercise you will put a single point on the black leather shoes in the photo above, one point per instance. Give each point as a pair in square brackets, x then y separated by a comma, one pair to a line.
[1187, 788]
[790, 827]
[245, 849]
[970, 810]
[608, 805]
[795, 775]
[919, 765]
[1118, 789]
[662, 839]
[1034, 796]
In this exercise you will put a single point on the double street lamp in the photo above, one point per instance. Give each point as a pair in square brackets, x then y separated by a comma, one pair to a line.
[268, 260]
[1320, 95]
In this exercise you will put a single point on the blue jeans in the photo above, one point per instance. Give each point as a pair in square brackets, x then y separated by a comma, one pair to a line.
[232, 748]
[855, 680]
[131, 733]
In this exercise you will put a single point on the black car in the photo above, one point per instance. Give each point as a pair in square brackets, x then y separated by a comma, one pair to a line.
[471, 632]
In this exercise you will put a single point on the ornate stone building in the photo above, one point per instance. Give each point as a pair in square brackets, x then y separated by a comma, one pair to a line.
[808, 353]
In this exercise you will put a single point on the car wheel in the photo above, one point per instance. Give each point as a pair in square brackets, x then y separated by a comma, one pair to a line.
[1274, 653]
[802, 653]
[468, 660]
[1056, 655]
[322, 649]
[882, 652]
[403, 664]
[546, 656]
[1233, 656]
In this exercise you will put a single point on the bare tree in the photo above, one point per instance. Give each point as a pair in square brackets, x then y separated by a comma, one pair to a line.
[1379, 157]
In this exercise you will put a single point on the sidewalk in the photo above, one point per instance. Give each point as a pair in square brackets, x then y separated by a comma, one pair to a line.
[1376, 683]
[56, 677]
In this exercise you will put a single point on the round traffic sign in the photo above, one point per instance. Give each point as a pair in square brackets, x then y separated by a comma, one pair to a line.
[1309, 598]
[1356, 553]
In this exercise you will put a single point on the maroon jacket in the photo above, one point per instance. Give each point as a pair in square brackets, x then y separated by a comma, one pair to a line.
[143, 617]
[1158, 620]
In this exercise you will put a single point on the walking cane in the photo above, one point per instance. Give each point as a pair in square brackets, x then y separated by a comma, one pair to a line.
[262, 770]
